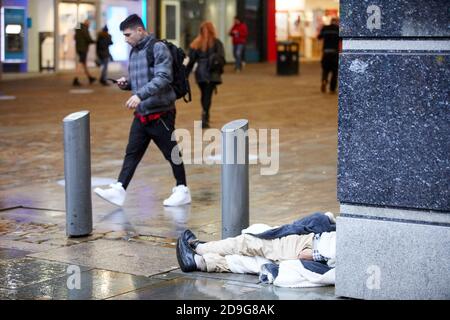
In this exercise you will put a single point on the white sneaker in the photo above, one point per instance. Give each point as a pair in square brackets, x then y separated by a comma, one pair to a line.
[115, 195]
[180, 196]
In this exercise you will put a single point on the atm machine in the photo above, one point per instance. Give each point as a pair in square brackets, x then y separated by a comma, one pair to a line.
[13, 31]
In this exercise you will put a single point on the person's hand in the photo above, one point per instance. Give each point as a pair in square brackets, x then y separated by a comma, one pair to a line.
[122, 83]
[133, 102]
[305, 254]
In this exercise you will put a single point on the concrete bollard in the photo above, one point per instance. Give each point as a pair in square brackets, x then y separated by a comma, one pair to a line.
[77, 172]
[235, 179]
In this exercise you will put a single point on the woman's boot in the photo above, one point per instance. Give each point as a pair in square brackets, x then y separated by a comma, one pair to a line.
[205, 119]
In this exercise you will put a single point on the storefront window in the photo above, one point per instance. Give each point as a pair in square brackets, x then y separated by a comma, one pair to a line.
[113, 13]
[301, 21]
[253, 17]
[70, 16]
[181, 20]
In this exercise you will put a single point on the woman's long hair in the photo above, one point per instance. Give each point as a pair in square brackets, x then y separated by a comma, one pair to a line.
[206, 37]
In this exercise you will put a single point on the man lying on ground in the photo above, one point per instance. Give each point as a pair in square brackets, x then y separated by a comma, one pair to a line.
[308, 242]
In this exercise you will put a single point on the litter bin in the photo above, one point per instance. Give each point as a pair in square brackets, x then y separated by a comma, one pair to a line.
[287, 58]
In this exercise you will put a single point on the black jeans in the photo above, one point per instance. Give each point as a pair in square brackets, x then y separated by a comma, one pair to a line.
[330, 63]
[207, 90]
[141, 135]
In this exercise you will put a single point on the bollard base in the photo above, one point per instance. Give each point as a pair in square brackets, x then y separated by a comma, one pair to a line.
[79, 235]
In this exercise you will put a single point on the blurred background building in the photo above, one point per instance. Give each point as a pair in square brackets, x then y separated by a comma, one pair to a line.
[38, 35]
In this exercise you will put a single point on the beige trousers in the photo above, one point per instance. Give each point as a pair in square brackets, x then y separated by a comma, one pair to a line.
[285, 248]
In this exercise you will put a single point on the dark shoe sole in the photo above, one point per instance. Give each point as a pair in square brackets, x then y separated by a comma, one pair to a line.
[187, 264]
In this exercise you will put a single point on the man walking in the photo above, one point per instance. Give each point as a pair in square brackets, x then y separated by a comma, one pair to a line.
[239, 33]
[153, 100]
[330, 57]
[82, 41]
[103, 54]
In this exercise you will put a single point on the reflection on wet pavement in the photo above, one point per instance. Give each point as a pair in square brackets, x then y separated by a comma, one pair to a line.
[191, 289]
[12, 254]
[117, 220]
[17, 273]
[277, 293]
[94, 284]
[122, 256]
[179, 217]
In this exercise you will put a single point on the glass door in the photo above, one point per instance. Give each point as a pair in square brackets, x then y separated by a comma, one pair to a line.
[70, 16]
[170, 22]
[252, 13]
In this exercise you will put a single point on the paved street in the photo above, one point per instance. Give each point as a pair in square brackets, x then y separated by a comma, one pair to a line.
[131, 252]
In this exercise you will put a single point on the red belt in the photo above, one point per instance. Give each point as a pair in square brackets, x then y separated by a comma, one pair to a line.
[151, 117]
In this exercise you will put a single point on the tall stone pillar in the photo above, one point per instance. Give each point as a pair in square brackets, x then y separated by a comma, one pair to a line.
[393, 233]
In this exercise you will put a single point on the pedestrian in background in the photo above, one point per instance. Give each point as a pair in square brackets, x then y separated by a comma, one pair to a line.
[239, 34]
[82, 41]
[103, 54]
[330, 57]
[207, 51]
[153, 101]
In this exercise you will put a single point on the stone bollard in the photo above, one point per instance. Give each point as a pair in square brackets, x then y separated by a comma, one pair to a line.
[77, 172]
[235, 180]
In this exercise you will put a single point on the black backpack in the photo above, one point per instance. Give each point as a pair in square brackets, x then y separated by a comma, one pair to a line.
[216, 61]
[180, 83]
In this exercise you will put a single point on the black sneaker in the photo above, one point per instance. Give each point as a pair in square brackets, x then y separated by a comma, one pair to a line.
[92, 80]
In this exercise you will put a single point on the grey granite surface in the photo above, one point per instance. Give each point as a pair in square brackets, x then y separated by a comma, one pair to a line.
[392, 260]
[400, 18]
[397, 214]
[394, 129]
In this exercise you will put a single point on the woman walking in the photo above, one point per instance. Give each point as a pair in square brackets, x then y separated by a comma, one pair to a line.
[207, 51]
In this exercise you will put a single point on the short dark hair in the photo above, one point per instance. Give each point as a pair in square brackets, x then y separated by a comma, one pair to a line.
[131, 22]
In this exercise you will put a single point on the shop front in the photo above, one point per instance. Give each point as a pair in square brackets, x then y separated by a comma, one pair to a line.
[180, 20]
[38, 35]
[100, 13]
[301, 20]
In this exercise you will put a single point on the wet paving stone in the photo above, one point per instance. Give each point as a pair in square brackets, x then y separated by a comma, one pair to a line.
[191, 289]
[94, 284]
[271, 292]
[12, 254]
[245, 278]
[167, 276]
[17, 273]
[25, 246]
[34, 219]
[6, 294]
[143, 259]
